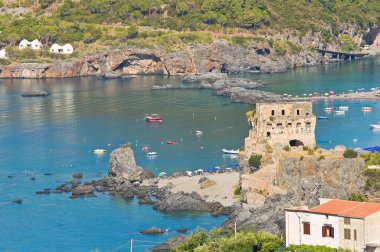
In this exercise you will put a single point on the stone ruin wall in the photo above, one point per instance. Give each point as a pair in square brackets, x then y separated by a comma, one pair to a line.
[277, 124]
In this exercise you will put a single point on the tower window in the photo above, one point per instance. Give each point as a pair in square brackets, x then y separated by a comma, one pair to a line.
[283, 112]
[298, 112]
[272, 112]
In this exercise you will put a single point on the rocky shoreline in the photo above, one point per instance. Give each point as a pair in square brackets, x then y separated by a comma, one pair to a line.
[218, 56]
[238, 90]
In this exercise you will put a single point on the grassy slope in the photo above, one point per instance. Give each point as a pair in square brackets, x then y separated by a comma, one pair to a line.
[96, 25]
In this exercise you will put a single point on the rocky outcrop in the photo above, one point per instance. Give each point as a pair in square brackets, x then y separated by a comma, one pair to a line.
[122, 164]
[152, 230]
[216, 57]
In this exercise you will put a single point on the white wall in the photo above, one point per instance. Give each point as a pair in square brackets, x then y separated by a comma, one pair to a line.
[294, 229]
[355, 224]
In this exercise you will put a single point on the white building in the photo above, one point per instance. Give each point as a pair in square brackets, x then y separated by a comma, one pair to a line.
[3, 54]
[66, 49]
[337, 224]
[35, 44]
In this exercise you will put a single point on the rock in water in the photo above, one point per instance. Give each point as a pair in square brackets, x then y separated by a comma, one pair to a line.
[152, 230]
[123, 165]
[78, 175]
[170, 243]
[83, 190]
[181, 230]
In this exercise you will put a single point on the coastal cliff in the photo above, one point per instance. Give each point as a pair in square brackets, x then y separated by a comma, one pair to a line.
[216, 57]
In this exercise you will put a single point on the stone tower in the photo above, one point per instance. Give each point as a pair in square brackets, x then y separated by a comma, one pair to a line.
[280, 125]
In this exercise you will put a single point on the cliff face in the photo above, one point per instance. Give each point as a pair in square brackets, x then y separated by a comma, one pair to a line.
[219, 57]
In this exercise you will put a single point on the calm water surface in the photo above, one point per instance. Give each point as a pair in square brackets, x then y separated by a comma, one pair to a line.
[57, 135]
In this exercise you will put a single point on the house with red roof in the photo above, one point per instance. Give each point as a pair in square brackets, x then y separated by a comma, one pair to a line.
[335, 223]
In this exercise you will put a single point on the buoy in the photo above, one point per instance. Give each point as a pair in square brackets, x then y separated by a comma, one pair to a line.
[193, 114]
[201, 147]
[215, 118]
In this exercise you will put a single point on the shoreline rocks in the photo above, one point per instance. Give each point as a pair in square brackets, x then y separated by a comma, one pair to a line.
[152, 230]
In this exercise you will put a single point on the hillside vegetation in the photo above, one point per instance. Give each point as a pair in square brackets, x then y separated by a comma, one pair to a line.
[99, 24]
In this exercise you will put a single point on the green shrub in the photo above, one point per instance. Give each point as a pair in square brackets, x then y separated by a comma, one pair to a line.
[242, 148]
[301, 158]
[255, 161]
[305, 148]
[357, 197]
[310, 152]
[311, 248]
[373, 179]
[286, 148]
[321, 158]
[350, 153]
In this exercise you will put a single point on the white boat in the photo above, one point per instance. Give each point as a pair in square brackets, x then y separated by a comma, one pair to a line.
[198, 132]
[375, 126]
[343, 107]
[99, 151]
[230, 151]
[341, 112]
[151, 154]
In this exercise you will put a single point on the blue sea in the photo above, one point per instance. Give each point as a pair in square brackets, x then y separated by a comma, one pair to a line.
[57, 135]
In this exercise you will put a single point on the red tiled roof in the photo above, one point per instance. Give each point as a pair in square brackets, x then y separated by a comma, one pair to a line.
[347, 208]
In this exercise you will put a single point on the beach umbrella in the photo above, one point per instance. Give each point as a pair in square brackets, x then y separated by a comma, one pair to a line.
[304, 94]
[161, 174]
[326, 94]
[331, 92]
[310, 94]
[199, 170]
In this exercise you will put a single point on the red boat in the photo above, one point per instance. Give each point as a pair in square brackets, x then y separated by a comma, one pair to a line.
[171, 142]
[153, 118]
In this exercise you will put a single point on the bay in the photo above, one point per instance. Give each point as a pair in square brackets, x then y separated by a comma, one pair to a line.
[58, 134]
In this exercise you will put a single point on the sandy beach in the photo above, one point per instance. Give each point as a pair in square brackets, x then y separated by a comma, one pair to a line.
[222, 191]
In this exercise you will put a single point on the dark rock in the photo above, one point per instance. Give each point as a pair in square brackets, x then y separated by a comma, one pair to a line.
[109, 75]
[32, 178]
[17, 201]
[170, 243]
[10, 176]
[47, 174]
[74, 183]
[152, 230]
[182, 230]
[148, 174]
[202, 179]
[178, 174]
[78, 175]
[83, 190]
[145, 201]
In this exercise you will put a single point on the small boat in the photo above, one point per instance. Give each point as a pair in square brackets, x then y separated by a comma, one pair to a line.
[375, 126]
[323, 118]
[341, 112]
[99, 151]
[198, 132]
[329, 109]
[366, 108]
[152, 154]
[145, 148]
[35, 94]
[343, 107]
[230, 151]
[171, 142]
[153, 118]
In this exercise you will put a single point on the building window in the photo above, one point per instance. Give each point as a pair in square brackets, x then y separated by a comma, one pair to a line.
[355, 235]
[298, 112]
[306, 228]
[268, 134]
[283, 112]
[347, 234]
[347, 221]
[272, 112]
[328, 231]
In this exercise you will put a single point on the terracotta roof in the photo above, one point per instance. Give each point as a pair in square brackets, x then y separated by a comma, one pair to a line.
[347, 208]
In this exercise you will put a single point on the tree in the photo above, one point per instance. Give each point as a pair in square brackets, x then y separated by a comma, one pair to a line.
[182, 8]
[350, 153]
[255, 161]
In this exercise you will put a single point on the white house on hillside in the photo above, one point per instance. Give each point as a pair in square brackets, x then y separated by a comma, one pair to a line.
[66, 49]
[3, 54]
[337, 224]
[35, 44]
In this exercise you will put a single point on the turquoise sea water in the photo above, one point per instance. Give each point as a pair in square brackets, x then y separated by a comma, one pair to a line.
[57, 134]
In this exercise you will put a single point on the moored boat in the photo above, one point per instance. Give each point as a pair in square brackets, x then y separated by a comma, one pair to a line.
[329, 109]
[343, 107]
[153, 118]
[152, 154]
[367, 108]
[323, 118]
[35, 94]
[99, 151]
[375, 126]
[171, 142]
[225, 151]
[339, 112]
